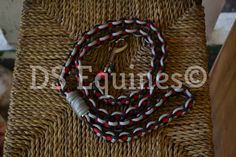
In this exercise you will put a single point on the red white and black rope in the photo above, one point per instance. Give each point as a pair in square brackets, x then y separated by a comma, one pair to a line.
[133, 121]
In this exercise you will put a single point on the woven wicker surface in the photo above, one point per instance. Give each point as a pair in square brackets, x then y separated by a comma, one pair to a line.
[41, 123]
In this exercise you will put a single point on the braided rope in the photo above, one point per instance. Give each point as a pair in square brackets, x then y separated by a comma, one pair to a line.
[120, 126]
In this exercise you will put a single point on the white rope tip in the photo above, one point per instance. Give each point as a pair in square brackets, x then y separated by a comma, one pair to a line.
[77, 103]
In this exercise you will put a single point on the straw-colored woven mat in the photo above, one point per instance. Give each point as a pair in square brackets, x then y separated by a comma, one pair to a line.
[41, 123]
